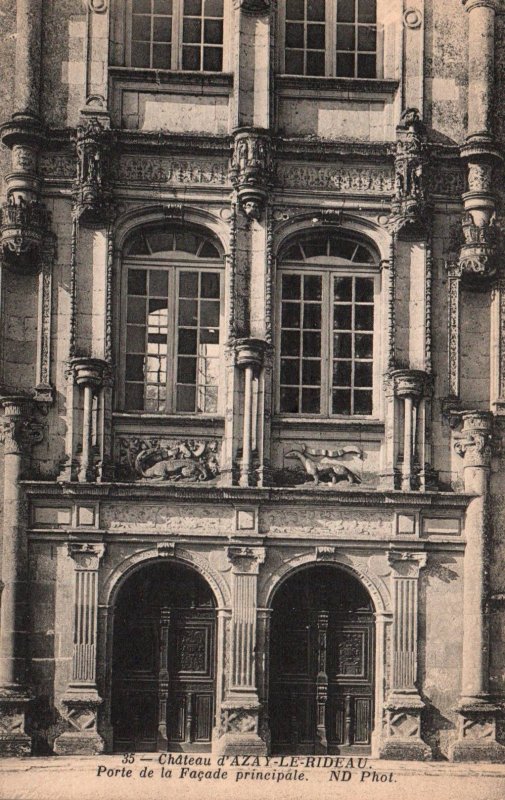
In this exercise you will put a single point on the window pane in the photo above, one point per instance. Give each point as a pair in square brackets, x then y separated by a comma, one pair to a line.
[192, 31]
[291, 286]
[315, 63]
[214, 8]
[141, 28]
[135, 339]
[315, 37]
[290, 343]
[294, 34]
[134, 396]
[291, 315]
[135, 367]
[213, 31]
[342, 289]
[315, 9]
[193, 7]
[185, 398]
[188, 284]
[363, 374]
[345, 65]
[341, 401]
[343, 317]
[366, 37]
[209, 313]
[312, 344]
[212, 59]
[364, 318]
[290, 371]
[364, 290]
[141, 6]
[366, 66]
[191, 58]
[312, 287]
[295, 9]
[162, 30]
[289, 400]
[342, 345]
[136, 310]
[141, 56]
[363, 344]
[186, 370]
[208, 250]
[311, 401]
[342, 373]
[363, 402]
[162, 6]
[311, 373]
[158, 283]
[294, 62]
[210, 404]
[210, 284]
[162, 53]
[209, 336]
[188, 312]
[345, 37]
[137, 281]
[345, 10]
[187, 341]
[367, 11]
[311, 316]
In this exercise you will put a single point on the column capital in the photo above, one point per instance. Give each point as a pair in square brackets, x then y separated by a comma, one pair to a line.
[470, 5]
[88, 372]
[87, 555]
[250, 352]
[412, 383]
[406, 563]
[476, 443]
[255, 8]
[18, 431]
[246, 560]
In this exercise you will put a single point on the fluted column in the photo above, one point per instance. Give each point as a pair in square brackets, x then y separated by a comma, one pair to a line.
[81, 700]
[404, 705]
[240, 710]
[14, 696]
[476, 738]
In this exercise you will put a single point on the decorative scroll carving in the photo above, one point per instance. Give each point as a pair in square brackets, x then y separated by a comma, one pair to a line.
[23, 225]
[352, 180]
[92, 196]
[326, 464]
[160, 459]
[409, 209]
[151, 170]
[192, 650]
[251, 169]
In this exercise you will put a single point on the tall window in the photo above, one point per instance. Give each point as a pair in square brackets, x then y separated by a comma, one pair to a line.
[171, 339]
[176, 34]
[327, 289]
[331, 37]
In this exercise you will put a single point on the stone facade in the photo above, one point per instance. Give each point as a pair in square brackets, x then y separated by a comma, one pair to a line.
[244, 490]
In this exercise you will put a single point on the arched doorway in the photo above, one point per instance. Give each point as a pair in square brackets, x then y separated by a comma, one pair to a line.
[321, 693]
[163, 670]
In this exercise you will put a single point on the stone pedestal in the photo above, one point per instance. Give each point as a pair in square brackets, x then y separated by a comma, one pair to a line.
[81, 700]
[404, 706]
[476, 732]
[238, 729]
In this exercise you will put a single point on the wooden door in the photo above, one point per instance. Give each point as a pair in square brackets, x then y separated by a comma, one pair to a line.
[321, 666]
[163, 669]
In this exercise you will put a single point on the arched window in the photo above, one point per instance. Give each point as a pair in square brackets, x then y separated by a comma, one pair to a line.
[172, 287]
[330, 38]
[327, 288]
[175, 34]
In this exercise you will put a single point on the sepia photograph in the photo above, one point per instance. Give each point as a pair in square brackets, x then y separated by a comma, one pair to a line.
[252, 399]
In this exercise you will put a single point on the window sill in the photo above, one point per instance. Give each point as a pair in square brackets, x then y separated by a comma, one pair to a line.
[329, 424]
[178, 82]
[132, 419]
[303, 86]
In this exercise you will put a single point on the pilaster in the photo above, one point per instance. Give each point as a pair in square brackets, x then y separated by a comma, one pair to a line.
[403, 708]
[81, 700]
[239, 726]
[476, 733]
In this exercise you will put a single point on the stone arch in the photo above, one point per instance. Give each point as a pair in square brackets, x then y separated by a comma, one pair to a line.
[121, 573]
[373, 583]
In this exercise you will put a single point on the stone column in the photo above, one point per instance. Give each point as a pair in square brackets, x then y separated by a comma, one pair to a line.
[14, 694]
[476, 737]
[249, 359]
[404, 705]
[240, 710]
[409, 387]
[481, 23]
[81, 700]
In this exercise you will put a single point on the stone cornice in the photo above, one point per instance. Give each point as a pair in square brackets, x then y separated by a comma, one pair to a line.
[230, 495]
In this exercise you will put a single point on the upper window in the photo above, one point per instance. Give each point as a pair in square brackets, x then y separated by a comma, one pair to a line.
[172, 321]
[330, 38]
[327, 289]
[176, 35]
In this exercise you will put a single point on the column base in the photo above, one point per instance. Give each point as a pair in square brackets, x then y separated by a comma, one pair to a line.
[81, 707]
[477, 734]
[14, 741]
[238, 734]
[403, 740]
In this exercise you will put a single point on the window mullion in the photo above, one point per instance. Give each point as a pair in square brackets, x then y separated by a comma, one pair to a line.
[177, 12]
[353, 339]
[327, 342]
[330, 38]
[172, 340]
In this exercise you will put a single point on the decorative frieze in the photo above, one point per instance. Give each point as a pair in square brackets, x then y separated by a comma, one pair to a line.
[162, 170]
[326, 464]
[351, 180]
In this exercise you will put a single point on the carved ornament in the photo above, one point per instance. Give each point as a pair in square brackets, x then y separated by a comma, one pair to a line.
[477, 443]
[87, 555]
[166, 549]
[351, 180]
[479, 252]
[238, 720]
[409, 209]
[152, 170]
[171, 460]
[326, 464]
[92, 196]
[251, 170]
[407, 564]
[23, 226]
[254, 8]
[411, 383]
[246, 559]
[19, 431]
